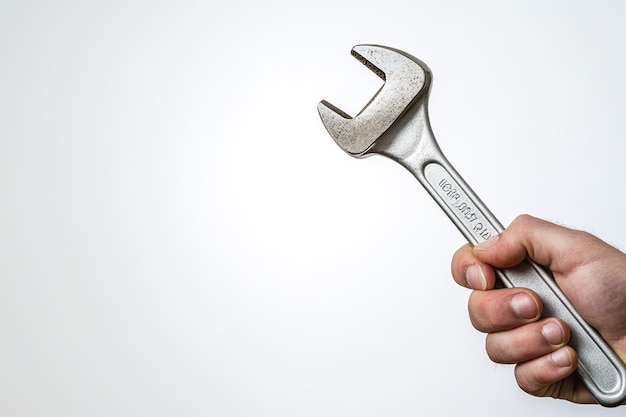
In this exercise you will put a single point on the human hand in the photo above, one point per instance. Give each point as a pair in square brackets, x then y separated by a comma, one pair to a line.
[591, 273]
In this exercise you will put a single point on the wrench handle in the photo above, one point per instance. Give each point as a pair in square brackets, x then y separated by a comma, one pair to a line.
[599, 367]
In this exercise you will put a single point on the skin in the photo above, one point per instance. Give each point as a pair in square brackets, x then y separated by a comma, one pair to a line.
[589, 271]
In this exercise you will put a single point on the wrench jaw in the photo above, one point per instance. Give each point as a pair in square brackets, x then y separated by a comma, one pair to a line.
[407, 80]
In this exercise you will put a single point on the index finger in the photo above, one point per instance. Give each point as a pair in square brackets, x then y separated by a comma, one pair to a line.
[470, 272]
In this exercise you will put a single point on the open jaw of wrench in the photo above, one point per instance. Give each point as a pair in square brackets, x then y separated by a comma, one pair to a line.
[395, 124]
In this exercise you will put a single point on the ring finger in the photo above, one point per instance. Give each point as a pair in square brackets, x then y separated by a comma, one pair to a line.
[528, 341]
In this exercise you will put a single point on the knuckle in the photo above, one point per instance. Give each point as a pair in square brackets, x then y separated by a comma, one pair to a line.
[486, 311]
[522, 219]
[496, 351]
[525, 384]
[524, 222]
[527, 379]
[460, 262]
[476, 311]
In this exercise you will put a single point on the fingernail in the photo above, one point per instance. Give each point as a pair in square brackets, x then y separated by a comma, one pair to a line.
[524, 306]
[562, 358]
[553, 333]
[475, 277]
[487, 243]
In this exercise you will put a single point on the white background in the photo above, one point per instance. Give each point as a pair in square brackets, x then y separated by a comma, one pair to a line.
[179, 236]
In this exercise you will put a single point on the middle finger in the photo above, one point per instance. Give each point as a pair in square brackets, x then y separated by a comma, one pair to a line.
[503, 309]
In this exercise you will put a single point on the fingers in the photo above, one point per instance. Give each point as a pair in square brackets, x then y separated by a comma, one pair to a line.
[503, 309]
[527, 342]
[516, 335]
[552, 375]
[469, 272]
[511, 317]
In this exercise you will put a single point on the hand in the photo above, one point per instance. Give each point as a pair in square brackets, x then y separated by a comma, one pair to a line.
[591, 273]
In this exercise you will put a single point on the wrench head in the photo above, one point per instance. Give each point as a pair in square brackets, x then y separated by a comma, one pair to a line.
[407, 79]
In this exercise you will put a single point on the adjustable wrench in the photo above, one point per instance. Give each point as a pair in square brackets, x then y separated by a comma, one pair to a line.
[395, 124]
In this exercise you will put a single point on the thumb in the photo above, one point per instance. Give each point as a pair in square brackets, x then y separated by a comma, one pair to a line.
[556, 247]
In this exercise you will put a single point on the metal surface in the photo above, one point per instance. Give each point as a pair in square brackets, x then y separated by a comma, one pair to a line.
[395, 124]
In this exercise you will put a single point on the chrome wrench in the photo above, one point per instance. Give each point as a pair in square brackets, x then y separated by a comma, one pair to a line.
[395, 124]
